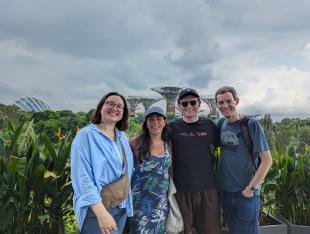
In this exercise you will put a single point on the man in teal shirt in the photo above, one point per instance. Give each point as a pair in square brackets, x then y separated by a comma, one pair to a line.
[239, 182]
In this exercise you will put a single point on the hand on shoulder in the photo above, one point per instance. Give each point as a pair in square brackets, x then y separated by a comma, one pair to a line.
[135, 144]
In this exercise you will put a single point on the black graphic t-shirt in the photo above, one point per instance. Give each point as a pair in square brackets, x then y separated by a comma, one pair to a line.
[192, 163]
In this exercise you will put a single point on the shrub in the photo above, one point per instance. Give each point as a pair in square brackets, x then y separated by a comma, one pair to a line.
[287, 187]
[35, 186]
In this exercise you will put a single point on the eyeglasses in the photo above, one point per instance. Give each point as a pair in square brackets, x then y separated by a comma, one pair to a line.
[111, 105]
[191, 102]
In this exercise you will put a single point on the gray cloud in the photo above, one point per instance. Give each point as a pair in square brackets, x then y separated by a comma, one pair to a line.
[69, 53]
[257, 16]
[101, 29]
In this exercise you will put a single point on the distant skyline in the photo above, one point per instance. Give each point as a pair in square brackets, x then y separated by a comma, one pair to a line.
[70, 53]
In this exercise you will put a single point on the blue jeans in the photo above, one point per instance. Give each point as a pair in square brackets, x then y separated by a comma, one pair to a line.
[91, 226]
[240, 213]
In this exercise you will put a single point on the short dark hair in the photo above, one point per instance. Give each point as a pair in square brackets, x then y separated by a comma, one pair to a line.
[226, 89]
[121, 125]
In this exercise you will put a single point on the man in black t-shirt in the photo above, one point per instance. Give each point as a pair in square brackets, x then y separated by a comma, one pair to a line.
[192, 138]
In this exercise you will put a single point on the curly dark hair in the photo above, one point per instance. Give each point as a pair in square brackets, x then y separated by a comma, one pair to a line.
[121, 125]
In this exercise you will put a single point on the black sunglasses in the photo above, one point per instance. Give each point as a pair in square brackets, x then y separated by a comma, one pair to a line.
[192, 103]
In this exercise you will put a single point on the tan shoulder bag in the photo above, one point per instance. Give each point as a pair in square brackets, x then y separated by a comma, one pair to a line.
[114, 193]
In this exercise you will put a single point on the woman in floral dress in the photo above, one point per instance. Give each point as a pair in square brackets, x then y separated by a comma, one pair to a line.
[151, 176]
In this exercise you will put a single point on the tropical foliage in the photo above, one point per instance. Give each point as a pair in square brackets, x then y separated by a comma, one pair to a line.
[47, 121]
[287, 132]
[13, 113]
[287, 187]
[35, 186]
[134, 127]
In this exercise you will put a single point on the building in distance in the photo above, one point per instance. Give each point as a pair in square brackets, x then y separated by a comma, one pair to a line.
[31, 104]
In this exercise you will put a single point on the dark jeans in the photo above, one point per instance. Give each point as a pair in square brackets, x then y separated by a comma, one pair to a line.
[91, 226]
[240, 213]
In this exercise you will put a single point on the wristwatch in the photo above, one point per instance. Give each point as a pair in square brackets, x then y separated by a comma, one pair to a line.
[251, 187]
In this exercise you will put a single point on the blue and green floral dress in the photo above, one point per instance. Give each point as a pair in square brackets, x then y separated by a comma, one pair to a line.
[150, 195]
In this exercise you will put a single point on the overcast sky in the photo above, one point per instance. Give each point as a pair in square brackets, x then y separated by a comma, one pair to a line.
[69, 53]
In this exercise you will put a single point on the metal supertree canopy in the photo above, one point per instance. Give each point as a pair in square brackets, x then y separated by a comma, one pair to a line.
[133, 103]
[147, 101]
[210, 101]
[170, 94]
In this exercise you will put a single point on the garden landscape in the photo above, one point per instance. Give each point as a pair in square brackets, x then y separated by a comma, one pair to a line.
[58, 58]
[35, 185]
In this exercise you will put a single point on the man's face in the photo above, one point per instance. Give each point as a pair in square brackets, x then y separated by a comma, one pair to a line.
[189, 106]
[227, 104]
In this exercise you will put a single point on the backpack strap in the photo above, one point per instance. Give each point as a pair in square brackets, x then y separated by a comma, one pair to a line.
[220, 123]
[215, 160]
[246, 136]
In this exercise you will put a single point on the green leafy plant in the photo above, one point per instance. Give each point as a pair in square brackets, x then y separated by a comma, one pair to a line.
[287, 187]
[135, 125]
[35, 186]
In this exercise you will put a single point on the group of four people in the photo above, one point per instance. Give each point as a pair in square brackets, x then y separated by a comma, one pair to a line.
[100, 150]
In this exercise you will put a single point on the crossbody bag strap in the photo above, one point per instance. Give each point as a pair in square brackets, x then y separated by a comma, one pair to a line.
[124, 156]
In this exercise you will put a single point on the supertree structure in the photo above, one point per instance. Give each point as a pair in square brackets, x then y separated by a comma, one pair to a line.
[133, 103]
[148, 101]
[170, 94]
[210, 101]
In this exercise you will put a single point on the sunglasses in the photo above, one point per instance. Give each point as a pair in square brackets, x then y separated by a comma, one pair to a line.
[192, 103]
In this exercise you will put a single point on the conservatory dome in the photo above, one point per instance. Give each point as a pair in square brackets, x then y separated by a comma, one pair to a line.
[31, 104]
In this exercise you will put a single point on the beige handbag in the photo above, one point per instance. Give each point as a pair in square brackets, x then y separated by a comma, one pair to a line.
[175, 222]
[114, 193]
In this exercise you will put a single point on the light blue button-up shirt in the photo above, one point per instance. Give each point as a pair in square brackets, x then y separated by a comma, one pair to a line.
[95, 162]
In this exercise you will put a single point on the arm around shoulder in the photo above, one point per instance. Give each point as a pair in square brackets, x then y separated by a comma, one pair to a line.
[134, 144]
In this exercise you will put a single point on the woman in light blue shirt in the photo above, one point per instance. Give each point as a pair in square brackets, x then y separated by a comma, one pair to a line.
[97, 160]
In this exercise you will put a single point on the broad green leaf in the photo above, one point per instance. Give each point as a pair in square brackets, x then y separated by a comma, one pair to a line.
[300, 168]
[12, 165]
[50, 149]
[14, 140]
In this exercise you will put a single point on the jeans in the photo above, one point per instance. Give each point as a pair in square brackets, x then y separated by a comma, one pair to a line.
[91, 226]
[240, 213]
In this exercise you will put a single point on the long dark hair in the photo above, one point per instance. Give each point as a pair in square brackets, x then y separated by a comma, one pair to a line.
[121, 125]
[143, 141]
